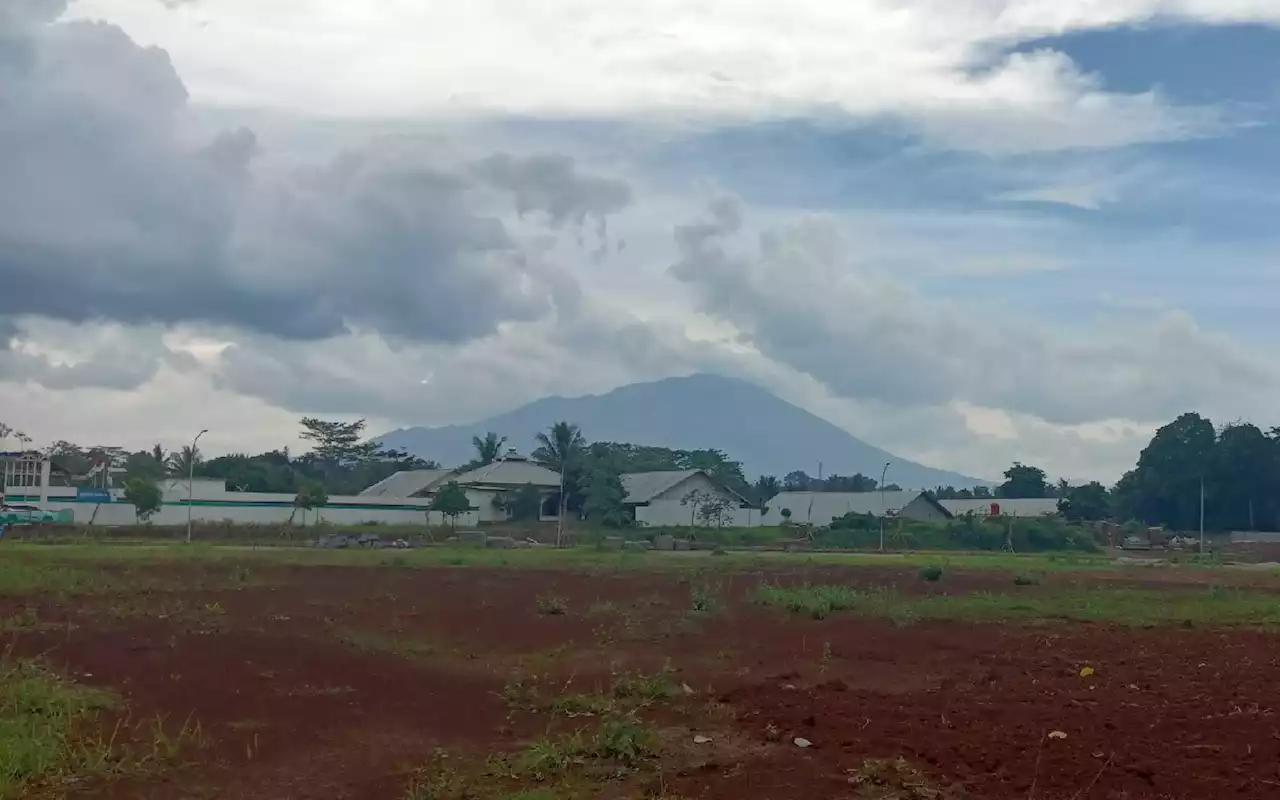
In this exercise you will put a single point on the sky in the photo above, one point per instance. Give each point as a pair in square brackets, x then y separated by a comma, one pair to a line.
[968, 231]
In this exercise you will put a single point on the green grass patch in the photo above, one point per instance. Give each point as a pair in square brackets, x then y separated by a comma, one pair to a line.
[1216, 606]
[816, 601]
[44, 726]
[620, 741]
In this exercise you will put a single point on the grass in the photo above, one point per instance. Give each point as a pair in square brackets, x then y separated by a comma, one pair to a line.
[1216, 606]
[620, 741]
[817, 601]
[44, 722]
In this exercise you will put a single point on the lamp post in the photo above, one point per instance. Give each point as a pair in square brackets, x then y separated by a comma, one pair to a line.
[883, 511]
[191, 479]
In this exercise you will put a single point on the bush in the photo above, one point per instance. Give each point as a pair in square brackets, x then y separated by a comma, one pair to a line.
[931, 573]
[1026, 579]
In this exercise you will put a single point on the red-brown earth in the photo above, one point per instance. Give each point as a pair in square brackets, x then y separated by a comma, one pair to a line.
[339, 682]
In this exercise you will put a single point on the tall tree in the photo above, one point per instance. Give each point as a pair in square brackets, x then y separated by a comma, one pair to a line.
[181, 462]
[767, 487]
[798, 481]
[560, 446]
[1087, 503]
[1171, 470]
[604, 496]
[488, 449]
[1242, 477]
[1023, 481]
[337, 442]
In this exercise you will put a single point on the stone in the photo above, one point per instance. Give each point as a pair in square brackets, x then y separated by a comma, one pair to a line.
[803, 743]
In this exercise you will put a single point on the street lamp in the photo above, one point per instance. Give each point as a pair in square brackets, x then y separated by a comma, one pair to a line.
[883, 511]
[191, 479]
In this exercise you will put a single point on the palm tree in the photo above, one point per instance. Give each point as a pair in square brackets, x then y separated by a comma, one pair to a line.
[488, 449]
[181, 461]
[158, 453]
[559, 447]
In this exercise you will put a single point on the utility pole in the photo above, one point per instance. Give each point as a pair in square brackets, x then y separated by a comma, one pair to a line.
[1201, 513]
[191, 479]
[883, 511]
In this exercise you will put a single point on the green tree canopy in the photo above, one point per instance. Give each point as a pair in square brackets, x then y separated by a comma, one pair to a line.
[145, 497]
[451, 501]
[1023, 481]
[1087, 503]
[488, 449]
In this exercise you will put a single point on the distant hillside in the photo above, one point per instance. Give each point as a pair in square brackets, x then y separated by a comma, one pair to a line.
[768, 435]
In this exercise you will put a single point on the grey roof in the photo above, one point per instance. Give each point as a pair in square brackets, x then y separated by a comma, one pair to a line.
[819, 508]
[511, 472]
[407, 483]
[1027, 507]
[644, 486]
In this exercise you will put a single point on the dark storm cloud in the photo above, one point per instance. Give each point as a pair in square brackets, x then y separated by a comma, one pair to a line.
[111, 210]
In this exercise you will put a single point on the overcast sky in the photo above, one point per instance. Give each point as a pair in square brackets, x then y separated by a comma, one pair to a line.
[969, 231]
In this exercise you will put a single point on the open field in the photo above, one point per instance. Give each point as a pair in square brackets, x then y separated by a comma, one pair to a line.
[200, 672]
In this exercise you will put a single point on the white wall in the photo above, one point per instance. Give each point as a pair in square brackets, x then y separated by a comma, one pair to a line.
[665, 510]
[253, 509]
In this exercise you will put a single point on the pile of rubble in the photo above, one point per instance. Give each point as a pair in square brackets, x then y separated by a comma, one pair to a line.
[370, 541]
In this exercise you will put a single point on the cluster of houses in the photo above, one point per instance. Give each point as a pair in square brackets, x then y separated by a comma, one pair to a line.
[654, 499]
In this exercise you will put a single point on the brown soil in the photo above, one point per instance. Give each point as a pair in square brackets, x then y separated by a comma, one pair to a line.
[339, 682]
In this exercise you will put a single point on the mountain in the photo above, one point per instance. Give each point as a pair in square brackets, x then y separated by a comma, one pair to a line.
[767, 434]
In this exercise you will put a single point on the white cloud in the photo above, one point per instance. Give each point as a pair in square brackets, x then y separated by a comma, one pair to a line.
[935, 65]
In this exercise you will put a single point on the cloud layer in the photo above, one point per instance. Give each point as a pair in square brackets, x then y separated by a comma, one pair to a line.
[112, 210]
[439, 271]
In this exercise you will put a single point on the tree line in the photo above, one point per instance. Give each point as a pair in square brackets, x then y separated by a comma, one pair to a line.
[1234, 468]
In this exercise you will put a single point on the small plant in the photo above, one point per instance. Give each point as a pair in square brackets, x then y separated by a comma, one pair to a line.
[885, 779]
[931, 573]
[703, 599]
[1026, 579]
[550, 605]
[646, 688]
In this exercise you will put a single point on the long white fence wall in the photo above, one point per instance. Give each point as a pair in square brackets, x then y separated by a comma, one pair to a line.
[211, 503]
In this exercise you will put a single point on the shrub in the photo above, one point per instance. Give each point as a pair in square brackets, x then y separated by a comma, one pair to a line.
[1026, 579]
[931, 573]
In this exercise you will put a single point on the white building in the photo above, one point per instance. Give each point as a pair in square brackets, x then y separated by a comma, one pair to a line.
[488, 487]
[675, 498]
[820, 508]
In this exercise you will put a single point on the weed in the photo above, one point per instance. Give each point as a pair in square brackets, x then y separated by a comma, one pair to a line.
[40, 717]
[435, 782]
[932, 573]
[704, 599]
[816, 601]
[549, 605]
[885, 779]
[646, 688]
[620, 740]
[1026, 579]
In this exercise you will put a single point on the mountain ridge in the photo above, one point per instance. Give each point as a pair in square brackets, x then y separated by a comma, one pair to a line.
[766, 433]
